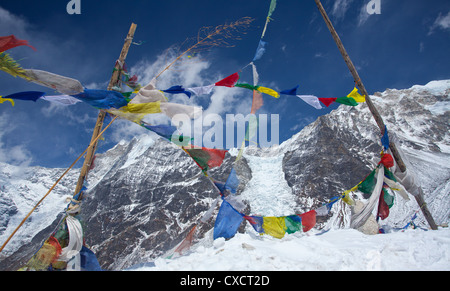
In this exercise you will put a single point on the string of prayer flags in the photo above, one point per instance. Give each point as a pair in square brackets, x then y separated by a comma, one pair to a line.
[177, 90]
[279, 226]
[10, 41]
[102, 99]
[206, 158]
[229, 81]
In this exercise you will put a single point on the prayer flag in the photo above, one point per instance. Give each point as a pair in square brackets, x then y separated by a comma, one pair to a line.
[88, 260]
[311, 100]
[308, 220]
[383, 208]
[172, 109]
[229, 81]
[4, 100]
[346, 101]
[368, 184]
[292, 91]
[269, 91]
[260, 50]
[355, 95]
[246, 86]
[26, 96]
[202, 90]
[178, 90]
[387, 161]
[9, 42]
[207, 158]
[147, 96]
[143, 108]
[293, 223]
[232, 182]
[165, 131]
[385, 139]
[103, 99]
[64, 85]
[61, 99]
[227, 222]
[187, 242]
[256, 222]
[327, 101]
[274, 226]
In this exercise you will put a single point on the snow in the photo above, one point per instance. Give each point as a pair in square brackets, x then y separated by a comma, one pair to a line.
[435, 87]
[268, 192]
[335, 250]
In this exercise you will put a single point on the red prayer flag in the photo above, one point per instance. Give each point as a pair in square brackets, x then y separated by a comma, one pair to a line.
[229, 81]
[187, 242]
[327, 101]
[383, 208]
[308, 220]
[387, 160]
[207, 158]
[10, 41]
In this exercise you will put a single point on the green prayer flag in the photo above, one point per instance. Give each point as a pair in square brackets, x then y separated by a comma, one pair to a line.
[347, 101]
[368, 184]
[293, 224]
[388, 198]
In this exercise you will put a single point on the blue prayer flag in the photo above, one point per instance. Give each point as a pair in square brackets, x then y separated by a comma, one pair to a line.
[227, 222]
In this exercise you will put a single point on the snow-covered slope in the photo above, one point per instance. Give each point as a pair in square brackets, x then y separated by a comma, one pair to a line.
[336, 250]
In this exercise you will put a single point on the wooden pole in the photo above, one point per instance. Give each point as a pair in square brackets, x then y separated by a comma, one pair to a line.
[101, 116]
[376, 115]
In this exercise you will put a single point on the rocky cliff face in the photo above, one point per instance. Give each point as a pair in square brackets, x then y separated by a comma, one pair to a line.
[145, 196]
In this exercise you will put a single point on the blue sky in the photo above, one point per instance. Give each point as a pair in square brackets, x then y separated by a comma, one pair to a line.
[407, 44]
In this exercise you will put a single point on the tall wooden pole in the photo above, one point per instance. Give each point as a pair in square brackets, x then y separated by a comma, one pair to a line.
[101, 116]
[376, 115]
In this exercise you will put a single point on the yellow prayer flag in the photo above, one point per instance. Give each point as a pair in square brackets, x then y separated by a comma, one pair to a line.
[6, 99]
[355, 95]
[274, 226]
[143, 108]
[269, 91]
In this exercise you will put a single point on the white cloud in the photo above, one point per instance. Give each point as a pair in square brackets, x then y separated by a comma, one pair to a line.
[441, 22]
[340, 8]
[15, 155]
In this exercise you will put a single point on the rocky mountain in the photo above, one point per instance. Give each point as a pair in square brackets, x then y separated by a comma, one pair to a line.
[145, 196]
